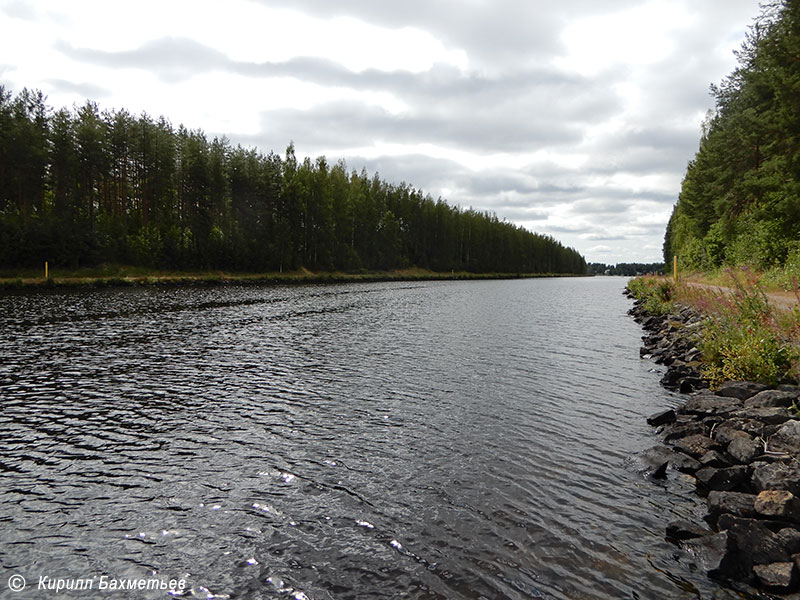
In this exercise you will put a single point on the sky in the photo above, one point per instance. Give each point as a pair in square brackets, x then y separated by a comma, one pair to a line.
[574, 118]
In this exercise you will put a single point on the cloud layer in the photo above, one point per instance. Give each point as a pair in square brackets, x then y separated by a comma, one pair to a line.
[575, 120]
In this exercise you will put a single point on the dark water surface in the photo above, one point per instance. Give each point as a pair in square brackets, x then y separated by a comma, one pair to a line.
[385, 440]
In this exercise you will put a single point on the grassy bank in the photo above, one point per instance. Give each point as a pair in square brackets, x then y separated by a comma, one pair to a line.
[120, 275]
[745, 336]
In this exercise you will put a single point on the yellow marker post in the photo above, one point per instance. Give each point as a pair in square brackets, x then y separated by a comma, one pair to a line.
[675, 268]
[45, 269]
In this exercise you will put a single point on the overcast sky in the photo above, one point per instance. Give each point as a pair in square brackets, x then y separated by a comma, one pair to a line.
[574, 118]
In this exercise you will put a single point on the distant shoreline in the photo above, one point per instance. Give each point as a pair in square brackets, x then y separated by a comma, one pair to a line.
[76, 279]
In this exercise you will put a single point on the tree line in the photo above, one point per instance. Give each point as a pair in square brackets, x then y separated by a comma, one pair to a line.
[83, 187]
[626, 269]
[740, 198]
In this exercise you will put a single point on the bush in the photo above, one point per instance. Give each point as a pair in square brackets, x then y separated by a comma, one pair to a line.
[656, 292]
[745, 338]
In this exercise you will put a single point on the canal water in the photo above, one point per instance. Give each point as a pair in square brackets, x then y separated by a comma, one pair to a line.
[384, 440]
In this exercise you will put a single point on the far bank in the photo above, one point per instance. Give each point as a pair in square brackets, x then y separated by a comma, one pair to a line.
[123, 276]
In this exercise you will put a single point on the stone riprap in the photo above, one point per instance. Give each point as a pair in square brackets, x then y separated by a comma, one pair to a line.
[741, 443]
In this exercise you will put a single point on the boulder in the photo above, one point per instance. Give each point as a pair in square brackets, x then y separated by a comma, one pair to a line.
[768, 416]
[734, 503]
[728, 431]
[749, 426]
[689, 384]
[713, 556]
[777, 577]
[771, 398]
[726, 521]
[740, 389]
[779, 504]
[696, 445]
[745, 450]
[712, 458]
[661, 418]
[723, 480]
[777, 476]
[680, 429]
[706, 403]
[790, 538]
[756, 544]
[684, 463]
[685, 530]
[655, 459]
[787, 438]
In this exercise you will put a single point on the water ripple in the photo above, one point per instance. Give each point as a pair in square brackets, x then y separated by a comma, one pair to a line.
[429, 440]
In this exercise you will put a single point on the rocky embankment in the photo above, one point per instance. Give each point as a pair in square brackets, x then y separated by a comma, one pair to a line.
[741, 443]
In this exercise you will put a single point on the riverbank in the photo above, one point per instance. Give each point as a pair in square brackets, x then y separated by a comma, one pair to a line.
[128, 276]
[740, 443]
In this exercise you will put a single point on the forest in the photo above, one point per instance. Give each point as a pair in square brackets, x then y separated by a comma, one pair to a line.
[624, 269]
[81, 187]
[739, 202]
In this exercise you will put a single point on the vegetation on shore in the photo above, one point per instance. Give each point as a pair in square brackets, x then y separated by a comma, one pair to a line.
[83, 187]
[121, 276]
[744, 336]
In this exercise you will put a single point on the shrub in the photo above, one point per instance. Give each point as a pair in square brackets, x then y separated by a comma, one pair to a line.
[744, 337]
[656, 292]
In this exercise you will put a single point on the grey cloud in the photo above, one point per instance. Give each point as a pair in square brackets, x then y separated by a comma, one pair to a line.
[601, 237]
[172, 59]
[87, 90]
[20, 9]
[516, 214]
[569, 228]
[498, 32]
[353, 124]
[600, 207]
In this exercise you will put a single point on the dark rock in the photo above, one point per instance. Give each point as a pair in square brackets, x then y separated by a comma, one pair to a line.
[713, 555]
[659, 472]
[771, 398]
[756, 544]
[779, 504]
[656, 457]
[671, 377]
[790, 538]
[726, 432]
[692, 355]
[734, 503]
[684, 530]
[684, 463]
[769, 416]
[678, 430]
[744, 450]
[723, 432]
[712, 458]
[696, 445]
[723, 480]
[705, 403]
[690, 384]
[777, 476]
[787, 438]
[777, 577]
[661, 418]
[740, 389]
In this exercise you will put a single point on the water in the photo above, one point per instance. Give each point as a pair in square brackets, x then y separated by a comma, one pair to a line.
[386, 440]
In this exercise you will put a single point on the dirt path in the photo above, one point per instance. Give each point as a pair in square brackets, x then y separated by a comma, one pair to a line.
[784, 300]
